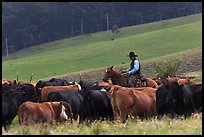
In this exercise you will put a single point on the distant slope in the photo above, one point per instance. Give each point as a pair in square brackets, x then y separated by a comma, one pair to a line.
[98, 50]
[191, 65]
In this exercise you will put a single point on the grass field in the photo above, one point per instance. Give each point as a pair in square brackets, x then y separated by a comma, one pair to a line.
[95, 51]
[153, 126]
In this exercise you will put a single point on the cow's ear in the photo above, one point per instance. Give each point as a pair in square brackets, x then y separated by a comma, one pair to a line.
[108, 88]
[111, 67]
[60, 103]
[14, 82]
[188, 79]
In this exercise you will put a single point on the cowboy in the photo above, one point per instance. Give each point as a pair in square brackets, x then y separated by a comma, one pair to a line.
[134, 70]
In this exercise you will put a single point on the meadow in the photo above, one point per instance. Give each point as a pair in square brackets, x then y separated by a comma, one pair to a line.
[133, 126]
[96, 51]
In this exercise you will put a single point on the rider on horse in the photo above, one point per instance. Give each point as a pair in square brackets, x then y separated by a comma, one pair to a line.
[134, 70]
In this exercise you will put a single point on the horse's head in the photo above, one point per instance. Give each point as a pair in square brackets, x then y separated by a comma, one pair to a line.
[108, 73]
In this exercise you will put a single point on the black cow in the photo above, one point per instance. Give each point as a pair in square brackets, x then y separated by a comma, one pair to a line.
[162, 107]
[52, 82]
[96, 101]
[74, 98]
[28, 88]
[12, 98]
[97, 105]
[185, 99]
[86, 84]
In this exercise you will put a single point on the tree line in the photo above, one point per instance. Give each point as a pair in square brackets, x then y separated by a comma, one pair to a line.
[25, 24]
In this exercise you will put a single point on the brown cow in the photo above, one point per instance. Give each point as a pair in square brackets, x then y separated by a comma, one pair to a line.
[129, 101]
[146, 89]
[108, 83]
[46, 112]
[48, 89]
[6, 81]
[24, 82]
[143, 89]
[166, 81]
[172, 80]
[187, 81]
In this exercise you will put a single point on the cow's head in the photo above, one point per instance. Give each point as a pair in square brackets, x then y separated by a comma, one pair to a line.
[174, 93]
[66, 111]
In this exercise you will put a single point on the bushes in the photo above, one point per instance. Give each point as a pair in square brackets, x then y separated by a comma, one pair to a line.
[168, 68]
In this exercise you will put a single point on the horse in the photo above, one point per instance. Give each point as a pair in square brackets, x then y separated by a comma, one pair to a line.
[122, 80]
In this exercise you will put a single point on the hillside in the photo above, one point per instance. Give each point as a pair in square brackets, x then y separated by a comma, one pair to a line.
[98, 51]
[191, 66]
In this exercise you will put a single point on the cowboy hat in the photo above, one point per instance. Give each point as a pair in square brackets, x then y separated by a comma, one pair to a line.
[132, 54]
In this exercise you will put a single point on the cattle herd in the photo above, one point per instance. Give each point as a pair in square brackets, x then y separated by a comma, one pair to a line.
[58, 100]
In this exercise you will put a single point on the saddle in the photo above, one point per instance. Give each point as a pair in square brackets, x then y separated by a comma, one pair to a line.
[141, 81]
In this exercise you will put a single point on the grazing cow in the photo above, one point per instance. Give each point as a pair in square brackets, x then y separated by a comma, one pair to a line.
[12, 96]
[74, 98]
[45, 91]
[46, 112]
[126, 101]
[97, 105]
[185, 99]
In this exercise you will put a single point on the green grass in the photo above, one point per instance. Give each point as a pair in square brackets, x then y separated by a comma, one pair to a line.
[96, 50]
[153, 126]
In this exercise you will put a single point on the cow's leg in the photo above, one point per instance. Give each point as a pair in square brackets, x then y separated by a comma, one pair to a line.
[114, 114]
[123, 116]
[114, 108]
[6, 126]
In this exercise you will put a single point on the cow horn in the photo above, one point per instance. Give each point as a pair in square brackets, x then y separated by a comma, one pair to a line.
[31, 77]
[17, 77]
[80, 77]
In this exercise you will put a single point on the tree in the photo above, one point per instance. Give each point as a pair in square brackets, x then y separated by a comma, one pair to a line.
[115, 29]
